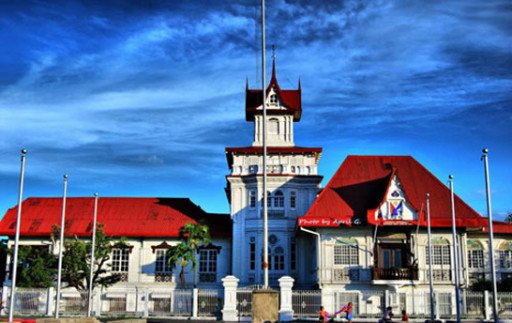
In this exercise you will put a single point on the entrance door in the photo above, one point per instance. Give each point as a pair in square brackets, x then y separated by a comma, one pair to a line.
[391, 256]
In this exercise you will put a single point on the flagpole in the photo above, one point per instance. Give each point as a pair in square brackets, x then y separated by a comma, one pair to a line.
[430, 273]
[455, 253]
[491, 235]
[93, 243]
[264, 128]
[17, 235]
[61, 246]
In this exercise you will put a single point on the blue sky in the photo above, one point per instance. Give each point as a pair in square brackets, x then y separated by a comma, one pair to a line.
[140, 98]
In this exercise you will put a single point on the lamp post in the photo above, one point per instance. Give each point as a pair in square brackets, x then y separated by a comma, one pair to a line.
[455, 251]
[264, 141]
[17, 236]
[91, 270]
[485, 151]
[61, 246]
[430, 273]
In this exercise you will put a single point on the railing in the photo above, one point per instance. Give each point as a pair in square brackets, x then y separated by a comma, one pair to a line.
[409, 273]
[306, 303]
[244, 302]
[209, 303]
[345, 275]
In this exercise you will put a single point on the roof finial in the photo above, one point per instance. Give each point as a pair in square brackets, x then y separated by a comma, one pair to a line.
[273, 62]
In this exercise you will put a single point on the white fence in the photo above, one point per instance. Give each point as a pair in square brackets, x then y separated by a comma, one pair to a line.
[209, 303]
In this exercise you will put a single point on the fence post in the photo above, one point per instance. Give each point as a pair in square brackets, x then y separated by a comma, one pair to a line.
[97, 302]
[49, 301]
[229, 312]
[5, 293]
[487, 313]
[195, 299]
[286, 310]
[436, 300]
[146, 303]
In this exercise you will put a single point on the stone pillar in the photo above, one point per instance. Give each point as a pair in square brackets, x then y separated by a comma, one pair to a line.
[265, 306]
[286, 310]
[229, 312]
[195, 299]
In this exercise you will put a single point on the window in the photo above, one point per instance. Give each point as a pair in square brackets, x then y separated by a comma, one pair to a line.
[293, 199]
[161, 262]
[208, 265]
[475, 254]
[440, 255]
[441, 259]
[277, 259]
[292, 169]
[252, 252]
[505, 255]
[278, 199]
[120, 261]
[273, 99]
[253, 169]
[293, 255]
[308, 170]
[273, 126]
[269, 200]
[117, 304]
[252, 199]
[298, 170]
[346, 254]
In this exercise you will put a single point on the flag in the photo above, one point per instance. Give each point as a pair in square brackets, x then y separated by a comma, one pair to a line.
[396, 210]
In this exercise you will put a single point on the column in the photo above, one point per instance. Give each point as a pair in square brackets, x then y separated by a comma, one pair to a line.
[286, 310]
[229, 312]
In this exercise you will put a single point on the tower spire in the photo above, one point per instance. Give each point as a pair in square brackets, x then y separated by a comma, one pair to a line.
[273, 62]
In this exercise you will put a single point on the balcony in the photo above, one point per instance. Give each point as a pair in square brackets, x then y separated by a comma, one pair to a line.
[407, 273]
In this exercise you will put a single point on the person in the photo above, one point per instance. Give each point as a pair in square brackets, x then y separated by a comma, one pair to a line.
[388, 315]
[322, 314]
[405, 317]
[349, 312]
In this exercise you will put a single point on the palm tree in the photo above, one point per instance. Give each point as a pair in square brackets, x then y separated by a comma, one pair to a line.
[180, 254]
[195, 236]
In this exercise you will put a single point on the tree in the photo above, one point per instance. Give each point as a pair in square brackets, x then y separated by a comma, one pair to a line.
[508, 217]
[180, 254]
[37, 267]
[193, 236]
[76, 261]
[196, 235]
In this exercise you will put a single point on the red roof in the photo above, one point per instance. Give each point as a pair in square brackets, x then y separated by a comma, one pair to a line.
[290, 99]
[359, 187]
[251, 150]
[129, 217]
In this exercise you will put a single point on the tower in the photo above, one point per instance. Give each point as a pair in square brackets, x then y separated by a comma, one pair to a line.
[292, 183]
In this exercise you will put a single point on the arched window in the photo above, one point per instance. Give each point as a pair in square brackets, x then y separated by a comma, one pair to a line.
[505, 255]
[298, 170]
[292, 169]
[441, 261]
[308, 170]
[273, 126]
[278, 199]
[475, 254]
[269, 200]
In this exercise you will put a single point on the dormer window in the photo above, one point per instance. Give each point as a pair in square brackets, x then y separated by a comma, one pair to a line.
[273, 99]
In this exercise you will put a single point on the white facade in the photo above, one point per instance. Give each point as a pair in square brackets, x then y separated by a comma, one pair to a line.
[292, 185]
